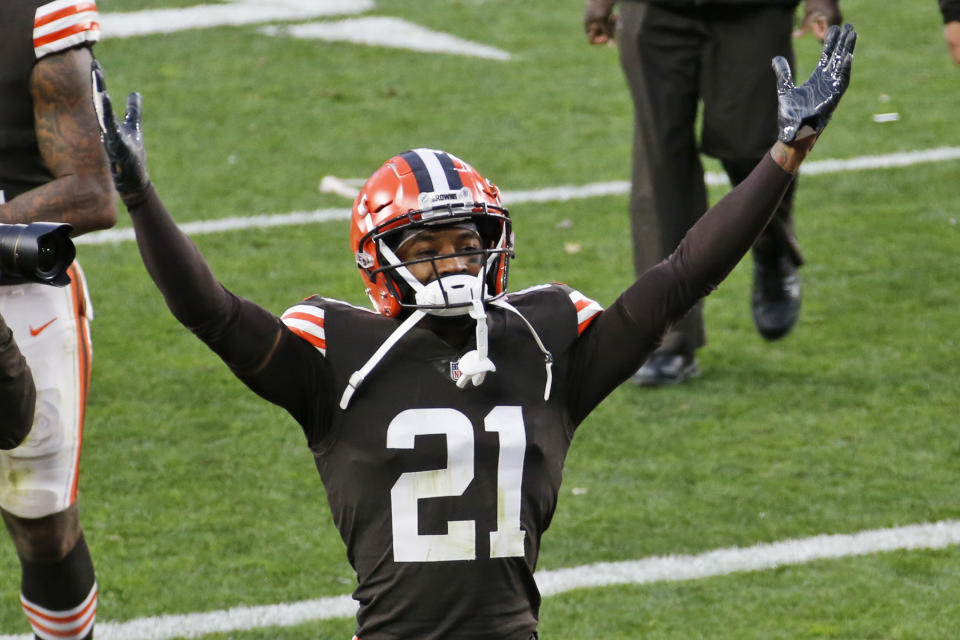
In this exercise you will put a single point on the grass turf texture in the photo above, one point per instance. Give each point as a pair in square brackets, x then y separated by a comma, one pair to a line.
[196, 495]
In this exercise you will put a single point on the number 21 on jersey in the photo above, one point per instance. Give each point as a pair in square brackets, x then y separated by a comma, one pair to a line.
[459, 543]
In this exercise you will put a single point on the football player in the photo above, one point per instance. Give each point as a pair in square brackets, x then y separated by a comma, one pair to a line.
[18, 395]
[439, 422]
[52, 167]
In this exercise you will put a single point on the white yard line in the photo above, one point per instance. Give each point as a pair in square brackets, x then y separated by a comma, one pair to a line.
[381, 31]
[376, 31]
[348, 188]
[719, 562]
[239, 12]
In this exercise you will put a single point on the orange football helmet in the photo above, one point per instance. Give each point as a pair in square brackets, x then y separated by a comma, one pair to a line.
[428, 188]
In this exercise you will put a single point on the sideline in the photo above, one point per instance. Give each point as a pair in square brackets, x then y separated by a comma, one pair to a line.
[562, 193]
[719, 562]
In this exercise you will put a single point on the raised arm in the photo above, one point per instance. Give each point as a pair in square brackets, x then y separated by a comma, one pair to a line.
[253, 342]
[67, 136]
[625, 334]
[174, 262]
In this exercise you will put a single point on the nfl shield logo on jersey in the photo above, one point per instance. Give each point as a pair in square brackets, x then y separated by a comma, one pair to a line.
[455, 372]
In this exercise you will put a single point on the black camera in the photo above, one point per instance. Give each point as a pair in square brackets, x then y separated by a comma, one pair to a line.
[36, 252]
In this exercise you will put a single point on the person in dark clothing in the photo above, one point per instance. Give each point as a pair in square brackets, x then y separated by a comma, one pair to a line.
[676, 54]
[18, 396]
[440, 422]
[950, 9]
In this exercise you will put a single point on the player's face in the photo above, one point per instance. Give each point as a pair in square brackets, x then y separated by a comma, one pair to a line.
[442, 242]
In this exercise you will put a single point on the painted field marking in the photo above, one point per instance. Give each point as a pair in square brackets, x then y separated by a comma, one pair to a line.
[237, 13]
[388, 32]
[371, 31]
[719, 562]
[562, 193]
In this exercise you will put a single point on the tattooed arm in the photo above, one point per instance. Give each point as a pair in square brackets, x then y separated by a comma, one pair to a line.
[69, 140]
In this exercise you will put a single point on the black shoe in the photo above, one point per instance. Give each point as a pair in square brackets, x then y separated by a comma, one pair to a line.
[666, 367]
[776, 297]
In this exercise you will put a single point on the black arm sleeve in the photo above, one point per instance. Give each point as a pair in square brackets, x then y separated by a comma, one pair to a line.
[622, 337]
[17, 392]
[253, 342]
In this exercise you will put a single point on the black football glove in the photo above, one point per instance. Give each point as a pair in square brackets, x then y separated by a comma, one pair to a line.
[123, 142]
[806, 110]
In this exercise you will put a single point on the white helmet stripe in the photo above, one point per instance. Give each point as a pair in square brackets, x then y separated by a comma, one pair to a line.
[437, 175]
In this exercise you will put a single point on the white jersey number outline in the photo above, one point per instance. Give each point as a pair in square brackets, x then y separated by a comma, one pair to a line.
[459, 543]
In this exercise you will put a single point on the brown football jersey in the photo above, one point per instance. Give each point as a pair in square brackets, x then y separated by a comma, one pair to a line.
[442, 494]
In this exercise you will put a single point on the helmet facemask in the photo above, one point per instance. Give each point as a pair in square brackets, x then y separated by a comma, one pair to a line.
[436, 293]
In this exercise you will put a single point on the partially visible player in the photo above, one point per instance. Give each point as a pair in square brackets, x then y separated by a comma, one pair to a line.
[440, 425]
[52, 167]
[950, 9]
[18, 395]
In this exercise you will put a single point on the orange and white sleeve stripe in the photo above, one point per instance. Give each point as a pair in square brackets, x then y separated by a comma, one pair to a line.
[587, 310]
[62, 625]
[62, 24]
[307, 322]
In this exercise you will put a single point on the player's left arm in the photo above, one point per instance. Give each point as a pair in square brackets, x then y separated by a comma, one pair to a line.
[17, 391]
[81, 192]
[621, 337]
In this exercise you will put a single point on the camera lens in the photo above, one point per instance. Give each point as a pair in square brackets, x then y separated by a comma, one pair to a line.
[46, 254]
[36, 252]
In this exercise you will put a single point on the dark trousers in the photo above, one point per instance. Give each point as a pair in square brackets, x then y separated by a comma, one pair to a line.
[674, 60]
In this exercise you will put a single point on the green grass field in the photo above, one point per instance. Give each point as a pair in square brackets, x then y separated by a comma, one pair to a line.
[198, 496]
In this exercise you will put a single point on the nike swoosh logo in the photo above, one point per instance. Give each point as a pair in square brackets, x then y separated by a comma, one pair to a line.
[38, 330]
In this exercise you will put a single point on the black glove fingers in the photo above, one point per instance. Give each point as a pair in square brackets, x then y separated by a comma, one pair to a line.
[806, 110]
[829, 46]
[845, 71]
[849, 44]
[843, 58]
[132, 118]
[102, 104]
[784, 76]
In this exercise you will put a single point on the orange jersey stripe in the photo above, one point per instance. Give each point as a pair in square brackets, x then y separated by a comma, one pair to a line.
[299, 315]
[319, 343]
[586, 323]
[84, 354]
[587, 310]
[80, 7]
[582, 304]
[90, 25]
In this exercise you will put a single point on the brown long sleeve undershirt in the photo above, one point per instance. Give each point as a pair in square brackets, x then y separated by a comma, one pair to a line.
[247, 337]
[631, 328]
